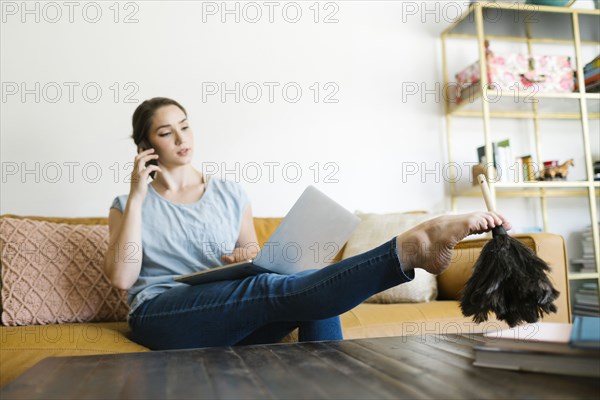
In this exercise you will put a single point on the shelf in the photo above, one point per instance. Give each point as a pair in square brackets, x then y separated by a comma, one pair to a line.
[529, 24]
[547, 184]
[526, 189]
[582, 275]
[518, 104]
[511, 22]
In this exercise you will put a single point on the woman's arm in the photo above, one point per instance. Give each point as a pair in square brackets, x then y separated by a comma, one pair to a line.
[246, 246]
[123, 259]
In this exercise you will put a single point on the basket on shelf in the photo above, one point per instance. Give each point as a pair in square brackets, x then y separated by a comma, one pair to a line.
[520, 73]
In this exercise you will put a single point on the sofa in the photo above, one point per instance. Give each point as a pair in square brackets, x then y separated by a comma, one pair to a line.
[23, 346]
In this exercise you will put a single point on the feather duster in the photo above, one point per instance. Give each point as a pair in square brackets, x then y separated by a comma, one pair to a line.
[508, 279]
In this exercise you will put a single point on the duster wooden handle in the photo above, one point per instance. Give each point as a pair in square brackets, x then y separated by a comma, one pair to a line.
[485, 190]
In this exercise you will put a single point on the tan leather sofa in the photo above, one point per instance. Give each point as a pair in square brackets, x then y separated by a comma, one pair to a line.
[21, 347]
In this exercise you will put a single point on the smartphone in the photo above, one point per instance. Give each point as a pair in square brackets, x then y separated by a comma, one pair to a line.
[144, 145]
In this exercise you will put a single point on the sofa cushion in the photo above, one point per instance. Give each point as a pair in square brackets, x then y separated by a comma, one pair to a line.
[265, 227]
[52, 273]
[375, 229]
[23, 346]
[62, 220]
[409, 319]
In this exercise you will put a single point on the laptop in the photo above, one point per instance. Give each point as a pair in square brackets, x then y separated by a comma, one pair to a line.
[309, 237]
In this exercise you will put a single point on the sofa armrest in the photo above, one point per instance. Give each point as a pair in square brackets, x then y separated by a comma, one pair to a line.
[549, 247]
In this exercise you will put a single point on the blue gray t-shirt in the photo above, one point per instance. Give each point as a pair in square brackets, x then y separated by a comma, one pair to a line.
[180, 239]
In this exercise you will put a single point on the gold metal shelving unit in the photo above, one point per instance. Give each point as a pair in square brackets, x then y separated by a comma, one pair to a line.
[524, 23]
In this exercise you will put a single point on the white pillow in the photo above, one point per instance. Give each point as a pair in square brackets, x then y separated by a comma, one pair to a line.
[376, 229]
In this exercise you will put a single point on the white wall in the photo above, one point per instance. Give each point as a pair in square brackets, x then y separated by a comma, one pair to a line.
[367, 136]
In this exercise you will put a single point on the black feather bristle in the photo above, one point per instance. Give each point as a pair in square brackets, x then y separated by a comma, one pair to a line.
[509, 280]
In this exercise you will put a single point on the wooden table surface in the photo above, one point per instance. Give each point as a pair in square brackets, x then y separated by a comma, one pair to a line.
[432, 366]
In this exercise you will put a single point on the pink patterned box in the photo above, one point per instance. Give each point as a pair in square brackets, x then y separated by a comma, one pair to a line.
[521, 73]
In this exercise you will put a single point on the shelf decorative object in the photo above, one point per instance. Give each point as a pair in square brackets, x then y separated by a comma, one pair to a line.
[556, 172]
[518, 72]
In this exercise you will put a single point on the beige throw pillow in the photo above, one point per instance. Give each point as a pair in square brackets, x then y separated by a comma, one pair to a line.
[52, 273]
[376, 229]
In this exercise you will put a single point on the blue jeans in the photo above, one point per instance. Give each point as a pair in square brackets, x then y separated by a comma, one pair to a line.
[266, 307]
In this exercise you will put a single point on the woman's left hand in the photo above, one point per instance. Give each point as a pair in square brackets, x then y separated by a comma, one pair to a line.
[240, 254]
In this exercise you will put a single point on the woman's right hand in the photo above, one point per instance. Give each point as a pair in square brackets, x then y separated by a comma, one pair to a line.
[140, 173]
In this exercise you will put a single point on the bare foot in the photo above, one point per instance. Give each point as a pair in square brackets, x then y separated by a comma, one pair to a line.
[429, 245]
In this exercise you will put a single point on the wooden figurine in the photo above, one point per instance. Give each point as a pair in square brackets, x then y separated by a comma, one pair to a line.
[556, 172]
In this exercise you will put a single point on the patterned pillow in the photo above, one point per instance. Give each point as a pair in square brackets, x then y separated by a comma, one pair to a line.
[52, 273]
[375, 229]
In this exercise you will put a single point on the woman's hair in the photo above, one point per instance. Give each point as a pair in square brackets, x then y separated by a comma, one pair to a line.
[142, 121]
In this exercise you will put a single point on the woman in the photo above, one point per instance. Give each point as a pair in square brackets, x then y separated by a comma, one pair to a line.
[180, 223]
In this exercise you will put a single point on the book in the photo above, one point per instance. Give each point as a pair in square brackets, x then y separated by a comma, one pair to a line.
[591, 76]
[583, 264]
[588, 247]
[585, 299]
[591, 72]
[592, 79]
[582, 311]
[595, 63]
[482, 158]
[586, 333]
[593, 87]
[551, 363]
[520, 170]
[586, 309]
[487, 168]
[540, 347]
[503, 161]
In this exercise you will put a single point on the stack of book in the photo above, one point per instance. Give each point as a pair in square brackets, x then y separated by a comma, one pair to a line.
[547, 347]
[586, 301]
[591, 76]
[502, 160]
[507, 167]
[587, 262]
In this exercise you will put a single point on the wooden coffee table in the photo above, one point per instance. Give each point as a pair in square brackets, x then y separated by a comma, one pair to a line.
[432, 366]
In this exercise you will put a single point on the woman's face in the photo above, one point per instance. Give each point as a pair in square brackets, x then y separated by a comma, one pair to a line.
[169, 134]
